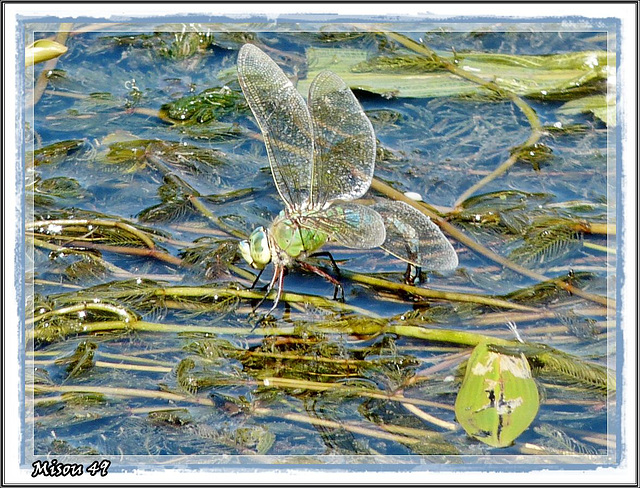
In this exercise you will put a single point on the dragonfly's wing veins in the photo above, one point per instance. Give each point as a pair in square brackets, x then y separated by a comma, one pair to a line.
[349, 224]
[414, 238]
[284, 119]
[344, 142]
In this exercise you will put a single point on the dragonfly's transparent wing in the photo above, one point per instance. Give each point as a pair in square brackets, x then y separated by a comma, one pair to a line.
[344, 142]
[414, 238]
[284, 120]
[349, 224]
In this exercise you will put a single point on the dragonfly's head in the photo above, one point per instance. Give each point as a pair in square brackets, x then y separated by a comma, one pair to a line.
[256, 250]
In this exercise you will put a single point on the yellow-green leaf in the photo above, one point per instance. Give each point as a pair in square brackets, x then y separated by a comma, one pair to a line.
[403, 74]
[43, 50]
[498, 398]
[603, 107]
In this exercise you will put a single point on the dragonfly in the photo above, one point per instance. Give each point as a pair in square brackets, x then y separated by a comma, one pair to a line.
[322, 156]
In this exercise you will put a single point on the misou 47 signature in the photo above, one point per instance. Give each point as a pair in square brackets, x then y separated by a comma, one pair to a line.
[322, 157]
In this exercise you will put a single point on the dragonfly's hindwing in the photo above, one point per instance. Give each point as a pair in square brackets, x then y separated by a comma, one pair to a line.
[414, 238]
[344, 142]
[284, 119]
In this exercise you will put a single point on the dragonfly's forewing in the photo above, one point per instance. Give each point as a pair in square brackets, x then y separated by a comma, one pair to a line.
[349, 224]
[285, 122]
[344, 142]
[414, 238]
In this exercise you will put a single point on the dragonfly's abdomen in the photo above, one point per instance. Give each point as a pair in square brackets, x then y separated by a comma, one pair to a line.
[294, 240]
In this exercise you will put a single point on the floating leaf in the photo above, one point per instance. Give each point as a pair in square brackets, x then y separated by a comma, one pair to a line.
[535, 154]
[208, 105]
[55, 153]
[81, 360]
[84, 399]
[132, 152]
[211, 255]
[602, 106]
[176, 196]
[86, 269]
[186, 44]
[257, 437]
[547, 243]
[559, 367]
[60, 447]
[560, 442]
[173, 416]
[552, 291]
[554, 77]
[61, 187]
[498, 398]
[511, 209]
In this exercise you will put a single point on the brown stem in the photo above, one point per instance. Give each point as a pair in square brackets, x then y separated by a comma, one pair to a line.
[131, 251]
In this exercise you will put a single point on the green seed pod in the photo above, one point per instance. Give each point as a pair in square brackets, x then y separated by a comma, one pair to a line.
[43, 50]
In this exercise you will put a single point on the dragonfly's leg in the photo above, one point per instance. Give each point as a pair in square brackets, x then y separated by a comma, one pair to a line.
[280, 273]
[269, 288]
[410, 278]
[337, 286]
[255, 282]
[327, 254]
[338, 289]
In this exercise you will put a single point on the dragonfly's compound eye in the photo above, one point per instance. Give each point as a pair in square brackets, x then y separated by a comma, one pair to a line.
[259, 248]
[245, 251]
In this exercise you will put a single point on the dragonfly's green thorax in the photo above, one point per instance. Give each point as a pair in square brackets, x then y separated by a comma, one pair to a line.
[284, 238]
[294, 239]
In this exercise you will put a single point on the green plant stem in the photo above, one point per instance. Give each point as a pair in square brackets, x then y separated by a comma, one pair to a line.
[45, 224]
[195, 199]
[500, 170]
[436, 294]
[596, 228]
[597, 247]
[195, 291]
[117, 391]
[129, 251]
[243, 273]
[319, 386]
[108, 364]
[443, 424]
[533, 138]
[83, 307]
[553, 361]
[457, 337]
[350, 427]
[197, 203]
[54, 247]
[365, 327]
[151, 250]
[461, 237]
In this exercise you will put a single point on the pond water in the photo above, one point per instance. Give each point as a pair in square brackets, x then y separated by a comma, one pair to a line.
[145, 167]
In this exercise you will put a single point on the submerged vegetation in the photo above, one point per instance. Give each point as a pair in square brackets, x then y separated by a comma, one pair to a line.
[144, 168]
